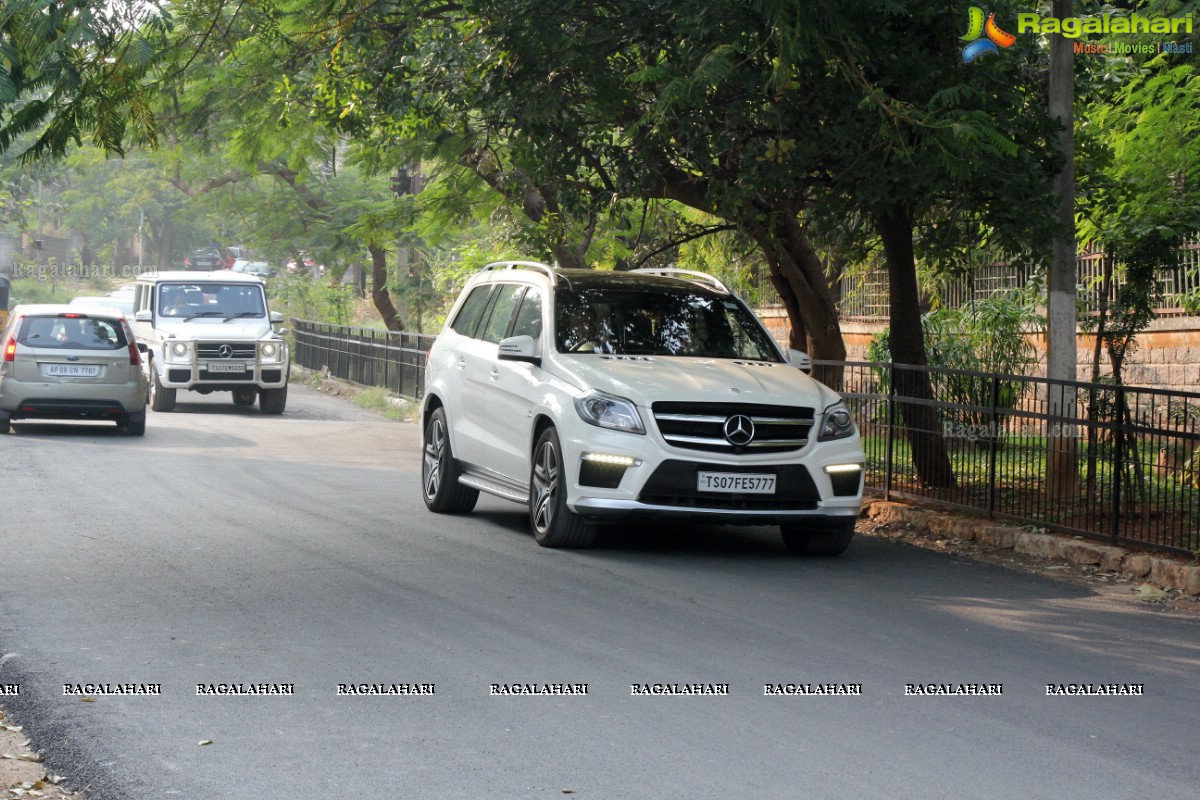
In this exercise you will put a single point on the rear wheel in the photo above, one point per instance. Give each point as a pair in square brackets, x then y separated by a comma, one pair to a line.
[271, 401]
[440, 488]
[829, 536]
[161, 398]
[5, 427]
[134, 424]
[553, 523]
[244, 397]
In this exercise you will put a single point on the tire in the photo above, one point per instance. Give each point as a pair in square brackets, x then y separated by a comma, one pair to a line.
[245, 397]
[442, 492]
[134, 424]
[271, 401]
[552, 522]
[161, 398]
[819, 537]
[5, 426]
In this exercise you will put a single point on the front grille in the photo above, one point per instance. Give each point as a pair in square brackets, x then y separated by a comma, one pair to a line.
[674, 483]
[701, 426]
[213, 349]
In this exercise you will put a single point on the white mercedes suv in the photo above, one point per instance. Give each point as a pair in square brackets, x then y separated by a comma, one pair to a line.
[596, 396]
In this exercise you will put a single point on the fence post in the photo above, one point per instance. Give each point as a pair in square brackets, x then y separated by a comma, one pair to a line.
[1118, 458]
[891, 431]
[994, 429]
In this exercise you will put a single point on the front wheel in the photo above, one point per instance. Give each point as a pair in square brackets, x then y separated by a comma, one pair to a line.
[553, 523]
[271, 401]
[828, 536]
[442, 492]
[161, 398]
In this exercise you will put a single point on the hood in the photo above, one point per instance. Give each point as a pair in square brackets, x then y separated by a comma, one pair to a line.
[645, 380]
[216, 328]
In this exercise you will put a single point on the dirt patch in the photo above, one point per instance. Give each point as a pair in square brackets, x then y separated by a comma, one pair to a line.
[1109, 583]
[21, 771]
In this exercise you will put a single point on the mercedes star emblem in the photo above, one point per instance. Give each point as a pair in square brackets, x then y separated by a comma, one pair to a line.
[739, 430]
[225, 351]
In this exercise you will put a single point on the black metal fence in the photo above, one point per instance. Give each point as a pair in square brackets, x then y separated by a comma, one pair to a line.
[1109, 462]
[391, 360]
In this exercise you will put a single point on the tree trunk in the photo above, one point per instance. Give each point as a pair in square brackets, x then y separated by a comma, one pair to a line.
[1062, 470]
[922, 421]
[798, 275]
[379, 291]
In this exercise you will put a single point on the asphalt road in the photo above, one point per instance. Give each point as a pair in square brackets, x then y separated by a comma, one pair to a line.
[229, 547]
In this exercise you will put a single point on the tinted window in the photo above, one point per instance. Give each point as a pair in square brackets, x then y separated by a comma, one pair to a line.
[529, 315]
[507, 297]
[675, 322]
[468, 316]
[210, 300]
[72, 333]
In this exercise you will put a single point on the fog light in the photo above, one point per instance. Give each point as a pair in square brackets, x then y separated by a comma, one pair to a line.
[845, 479]
[604, 470]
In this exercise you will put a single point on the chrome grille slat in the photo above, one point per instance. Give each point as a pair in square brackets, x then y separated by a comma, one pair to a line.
[700, 426]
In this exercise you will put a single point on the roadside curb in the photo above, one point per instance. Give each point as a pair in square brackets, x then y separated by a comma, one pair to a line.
[1163, 571]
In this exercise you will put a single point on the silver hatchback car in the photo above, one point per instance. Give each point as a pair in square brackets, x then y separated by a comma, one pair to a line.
[74, 363]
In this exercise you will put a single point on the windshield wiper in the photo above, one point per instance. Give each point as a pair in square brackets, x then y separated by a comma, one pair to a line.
[243, 314]
[190, 317]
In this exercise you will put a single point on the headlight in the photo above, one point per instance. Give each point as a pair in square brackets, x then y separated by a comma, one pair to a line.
[179, 352]
[269, 351]
[836, 423]
[607, 411]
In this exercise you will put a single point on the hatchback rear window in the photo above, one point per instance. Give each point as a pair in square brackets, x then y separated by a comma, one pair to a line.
[72, 332]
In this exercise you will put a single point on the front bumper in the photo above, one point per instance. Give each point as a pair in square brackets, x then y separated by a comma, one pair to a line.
[198, 372]
[662, 480]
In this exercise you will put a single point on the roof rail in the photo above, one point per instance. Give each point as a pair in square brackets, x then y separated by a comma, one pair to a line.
[685, 274]
[534, 265]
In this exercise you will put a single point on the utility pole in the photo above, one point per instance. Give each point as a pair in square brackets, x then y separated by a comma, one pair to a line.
[1062, 470]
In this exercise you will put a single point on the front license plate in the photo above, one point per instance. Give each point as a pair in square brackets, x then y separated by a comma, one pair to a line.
[740, 482]
[224, 366]
[70, 370]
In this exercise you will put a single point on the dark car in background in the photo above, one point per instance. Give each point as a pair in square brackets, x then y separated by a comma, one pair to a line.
[204, 258]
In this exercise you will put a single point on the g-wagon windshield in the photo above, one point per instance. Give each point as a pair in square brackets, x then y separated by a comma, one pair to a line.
[662, 322]
[217, 300]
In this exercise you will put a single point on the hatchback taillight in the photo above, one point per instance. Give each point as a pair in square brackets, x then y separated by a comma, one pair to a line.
[10, 348]
[135, 357]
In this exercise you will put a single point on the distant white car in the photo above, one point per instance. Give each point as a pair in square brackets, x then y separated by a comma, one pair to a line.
[260, 268]
[123, 303]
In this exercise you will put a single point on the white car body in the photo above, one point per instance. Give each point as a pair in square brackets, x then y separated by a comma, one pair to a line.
[210, 332]
[664, 445]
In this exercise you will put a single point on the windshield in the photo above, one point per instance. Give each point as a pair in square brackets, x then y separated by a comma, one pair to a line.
[197, 300]
[662, 322]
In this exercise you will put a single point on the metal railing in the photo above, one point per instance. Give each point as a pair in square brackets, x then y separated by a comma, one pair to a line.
[1132, 454]
[392, 360]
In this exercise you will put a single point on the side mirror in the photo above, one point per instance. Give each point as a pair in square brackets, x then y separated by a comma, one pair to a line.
[145, 315]
[276, 317]
[142, 347]
[520, 348]
[800, 360]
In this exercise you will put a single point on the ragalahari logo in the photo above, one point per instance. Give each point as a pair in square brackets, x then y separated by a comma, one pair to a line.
[983, 37]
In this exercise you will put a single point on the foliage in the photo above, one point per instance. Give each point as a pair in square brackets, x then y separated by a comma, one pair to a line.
[71, 67]
[989, 337]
